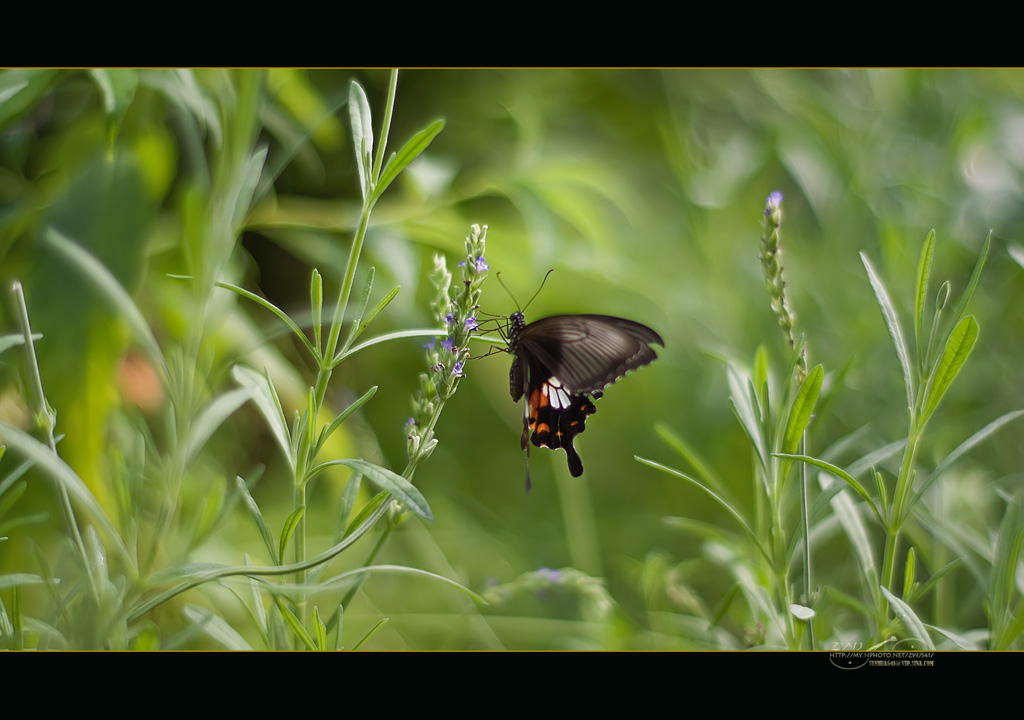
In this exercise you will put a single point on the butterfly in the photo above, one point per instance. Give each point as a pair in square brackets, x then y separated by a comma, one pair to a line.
[561, 364]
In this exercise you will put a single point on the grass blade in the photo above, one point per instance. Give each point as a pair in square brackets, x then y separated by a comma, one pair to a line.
[892, 323]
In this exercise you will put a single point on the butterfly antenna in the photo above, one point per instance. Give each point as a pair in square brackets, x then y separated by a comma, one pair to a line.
[498, 275]
[542, 282]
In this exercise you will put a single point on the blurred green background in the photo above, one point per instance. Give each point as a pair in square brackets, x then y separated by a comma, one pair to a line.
[642, 189]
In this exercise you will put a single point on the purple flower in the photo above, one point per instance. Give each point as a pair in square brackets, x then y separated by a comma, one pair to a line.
[448, 344]
[457, 370]
[481, 264]
[430, 345]
[449, 318]
[471, 323]
[773, 201]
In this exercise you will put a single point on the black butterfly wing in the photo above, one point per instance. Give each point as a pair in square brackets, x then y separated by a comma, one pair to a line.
[587, 353]
[560, 362]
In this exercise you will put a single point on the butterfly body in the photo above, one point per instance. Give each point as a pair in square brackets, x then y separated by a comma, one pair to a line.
[562, 363]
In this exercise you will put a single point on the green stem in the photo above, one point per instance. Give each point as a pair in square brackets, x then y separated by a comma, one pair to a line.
[42, 413]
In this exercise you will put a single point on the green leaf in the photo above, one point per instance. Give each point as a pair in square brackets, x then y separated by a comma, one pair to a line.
[321, 629]
[104, 282]
[743, 406]
[295, 625]
[212, 417]
[924, 267]
[958, 348]
[215, 627]
[1002, 576]
[431, 333]
[716, 498]
[9, 341]
[296, 330]
[21, 89]
[289, 527]
[409, 152]
[261, 523]
[362, 521]
[336, 423]
[803, 407]
[914, 627]
[839, 473]
[972, 285]
[365, 322]
[364, 301]
[18, 579]
[316, 306]
[267, 402]
[369, 633]
[893, 325]
[969, 444]
[908, 573]
[48, 461]
[362, 134]
[403, 490]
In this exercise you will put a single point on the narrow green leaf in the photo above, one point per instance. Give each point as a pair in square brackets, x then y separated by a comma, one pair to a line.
[376, 310]
[9, 341]
[958, 348]
[1002, 576]
[704, 470]
[342, 356]
[336, 423]
[743, 406]
[908, 573]
[972, 284]
[696, 483]
[212, 417]
[261, 523]
[913, 625]
[969, 444]
[409, 152]
[262, 391]
[403, 490]
[289, 527]
[369, 633]
[803, 407]
[18, 579]
[294, 624]
[362, 134]
[360, 521]
[104, 282]
[316, 306]
[852, 521]
[52, 465]
[296, 330]
[924, 267]
[925, 587]
[883, 495]
[893, 325]
[321, 629]
[839, 473]
[21, 89]
[363, 302]
[216, 628]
